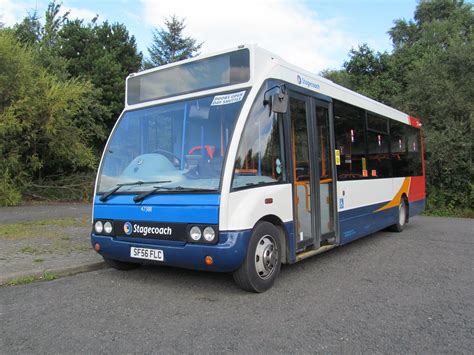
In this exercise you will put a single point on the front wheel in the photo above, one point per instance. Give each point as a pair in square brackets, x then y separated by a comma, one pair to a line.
[261, 265]
[402, 217]
[120, 265]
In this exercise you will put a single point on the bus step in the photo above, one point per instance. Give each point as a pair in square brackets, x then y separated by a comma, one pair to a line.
[307, 254]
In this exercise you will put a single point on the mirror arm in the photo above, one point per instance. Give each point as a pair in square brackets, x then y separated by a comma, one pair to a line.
[282, 92]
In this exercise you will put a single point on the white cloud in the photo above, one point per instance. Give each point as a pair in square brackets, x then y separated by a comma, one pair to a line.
[289, 29]
[13, 11]
[75, 12]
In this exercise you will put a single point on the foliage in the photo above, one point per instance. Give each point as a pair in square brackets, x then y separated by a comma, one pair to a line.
[429, 74]
[62, 86]
[105, 54]
[9, 194]
[41, 129]
[102, 53]
[169, 45]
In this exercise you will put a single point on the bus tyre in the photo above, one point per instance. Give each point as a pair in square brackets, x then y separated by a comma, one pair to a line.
[261, 265]
[120, 265]
[402, 217]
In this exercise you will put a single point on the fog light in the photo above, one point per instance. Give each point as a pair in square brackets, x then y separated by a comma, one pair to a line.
[195, 233]
[209, 234]
[208, 260]
[99, 227]
[108, 227]
[97, 247]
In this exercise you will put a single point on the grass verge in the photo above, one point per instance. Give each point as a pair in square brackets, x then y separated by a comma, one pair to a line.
[46, 276]
[42, 228]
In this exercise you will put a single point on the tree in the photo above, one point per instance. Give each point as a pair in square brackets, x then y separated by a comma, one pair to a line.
[42, 130]
[102, 53]
[43, 38]
[28, 31]
[169, 45]
[438, 79]
[105, 54]
[429, 74]
[369, 73]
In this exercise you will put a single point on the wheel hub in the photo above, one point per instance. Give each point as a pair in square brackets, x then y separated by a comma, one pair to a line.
[266, 256]
[402, 214]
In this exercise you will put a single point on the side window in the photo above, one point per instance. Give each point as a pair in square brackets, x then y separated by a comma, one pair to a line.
[350, 141]
[260, 158]
[414, 151]
[398, 145]
[378, 147]
[379, 158]
[406, 149]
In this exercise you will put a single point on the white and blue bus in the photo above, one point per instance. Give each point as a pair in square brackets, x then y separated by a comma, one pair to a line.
[239, 161]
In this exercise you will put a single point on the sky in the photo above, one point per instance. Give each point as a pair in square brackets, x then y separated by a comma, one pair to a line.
[313, 34]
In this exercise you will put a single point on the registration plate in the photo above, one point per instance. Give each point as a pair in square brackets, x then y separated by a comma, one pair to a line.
[146, 253]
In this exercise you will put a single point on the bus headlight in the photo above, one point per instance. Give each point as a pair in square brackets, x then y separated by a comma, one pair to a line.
[195, 233]
[108, 227]
[209, 234]
[99, 227]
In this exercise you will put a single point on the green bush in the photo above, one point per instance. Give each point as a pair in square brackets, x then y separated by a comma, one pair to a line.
[9, 195]
[440, 204]
[44, 130]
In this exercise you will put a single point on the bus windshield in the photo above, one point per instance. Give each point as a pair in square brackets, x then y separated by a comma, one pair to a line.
[180, 144]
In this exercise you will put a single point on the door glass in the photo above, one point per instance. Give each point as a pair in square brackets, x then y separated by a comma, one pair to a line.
[301, 173]
[325, 171]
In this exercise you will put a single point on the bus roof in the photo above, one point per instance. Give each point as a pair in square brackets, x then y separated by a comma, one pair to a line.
[264, 65]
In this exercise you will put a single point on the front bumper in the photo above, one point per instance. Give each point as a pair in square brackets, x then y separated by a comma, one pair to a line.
[228, 254]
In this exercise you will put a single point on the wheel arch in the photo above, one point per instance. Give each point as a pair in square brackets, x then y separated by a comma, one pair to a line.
[283, 235]
[407, 204]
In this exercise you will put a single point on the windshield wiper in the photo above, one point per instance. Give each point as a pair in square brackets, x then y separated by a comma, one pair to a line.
[155, 189]
[106, 195]
[191, 189]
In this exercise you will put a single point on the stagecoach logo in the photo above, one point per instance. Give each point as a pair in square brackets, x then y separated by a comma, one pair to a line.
[304, 82]
[145, 229]
[127, 228]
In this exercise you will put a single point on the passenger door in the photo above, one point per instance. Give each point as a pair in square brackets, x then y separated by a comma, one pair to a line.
[302, 171]
[325, 173]
[312, 162]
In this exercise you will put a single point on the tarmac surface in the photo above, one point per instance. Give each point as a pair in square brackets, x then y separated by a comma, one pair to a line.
[28, 213]
[387, 293]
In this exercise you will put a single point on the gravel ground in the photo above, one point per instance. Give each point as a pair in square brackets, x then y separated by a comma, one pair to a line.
[387, 293]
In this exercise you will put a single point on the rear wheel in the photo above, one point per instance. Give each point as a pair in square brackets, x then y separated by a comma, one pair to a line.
[261, 265]
[402, 217]
[120, 265]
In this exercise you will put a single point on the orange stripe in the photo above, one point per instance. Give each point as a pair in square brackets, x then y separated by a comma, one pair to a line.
[396, 200]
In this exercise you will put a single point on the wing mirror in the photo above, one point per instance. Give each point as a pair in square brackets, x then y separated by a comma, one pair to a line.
[279, 101]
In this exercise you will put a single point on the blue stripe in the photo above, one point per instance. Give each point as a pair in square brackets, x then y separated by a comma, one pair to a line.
[228, 254]
[357, 212]
[362, 221]
[417, 207]
[366, 223]
[291, 242]
[178, 208]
